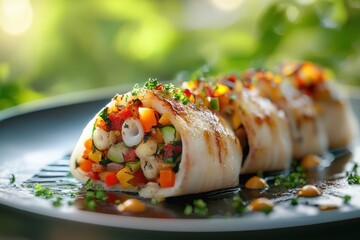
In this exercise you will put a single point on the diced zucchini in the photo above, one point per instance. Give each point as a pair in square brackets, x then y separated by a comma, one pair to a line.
[214, 104]
[116, 152]
[168, 133]
[134, 166]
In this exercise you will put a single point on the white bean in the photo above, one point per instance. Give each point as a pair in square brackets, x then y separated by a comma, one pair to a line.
[101, 139]
[149, 166]
[146, 149]
[132, 132]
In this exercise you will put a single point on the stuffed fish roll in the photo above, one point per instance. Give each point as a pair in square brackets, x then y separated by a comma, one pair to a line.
[157, 143]
[260, 127]
[335, 111]
[307, 132]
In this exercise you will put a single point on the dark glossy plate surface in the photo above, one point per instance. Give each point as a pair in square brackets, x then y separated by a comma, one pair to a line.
[35, 139]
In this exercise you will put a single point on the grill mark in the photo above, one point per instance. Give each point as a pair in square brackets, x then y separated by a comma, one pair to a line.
[215, 123]
[207, 138]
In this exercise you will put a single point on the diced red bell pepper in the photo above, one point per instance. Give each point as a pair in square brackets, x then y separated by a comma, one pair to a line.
[139, 178]
[130, 155]
[118, 118]
[111, 179]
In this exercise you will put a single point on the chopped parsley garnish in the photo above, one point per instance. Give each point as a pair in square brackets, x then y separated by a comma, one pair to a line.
[104, 115]
[238, 204]
[188, 210]
[267, 210]
[294, 179]
[151, 84]
[12, 179]
[93, 197]
[46, 193]
[104, 162]
[353, 176]
[347, 198]
[199, 208]
[294, 202]
[168, 89]
[154, 201]
[57, 202]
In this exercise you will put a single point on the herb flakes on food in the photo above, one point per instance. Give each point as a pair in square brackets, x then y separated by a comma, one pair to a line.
[347, 198]
[12, 179]
[46, 192]
[353, 176]
[296, 178]
[239, 205]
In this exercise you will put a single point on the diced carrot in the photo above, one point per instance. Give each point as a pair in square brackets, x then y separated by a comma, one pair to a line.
[86, 153]
[147, 118]
[88, 143]
[85, 165]
[101, 123]
[224, 100]
[167, 177]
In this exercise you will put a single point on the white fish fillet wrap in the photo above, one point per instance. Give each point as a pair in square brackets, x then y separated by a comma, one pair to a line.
[211, 154]
[331, 104]
[267, 133]
[307, 132]
[339, 120]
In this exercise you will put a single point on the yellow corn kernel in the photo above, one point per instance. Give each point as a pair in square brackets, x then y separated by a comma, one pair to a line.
[95, 156]
[124, 176]
[164, 119]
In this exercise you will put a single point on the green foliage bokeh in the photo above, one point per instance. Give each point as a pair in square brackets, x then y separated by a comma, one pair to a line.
[77, 45]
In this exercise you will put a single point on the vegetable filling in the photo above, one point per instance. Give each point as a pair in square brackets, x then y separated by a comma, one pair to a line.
[132, 145]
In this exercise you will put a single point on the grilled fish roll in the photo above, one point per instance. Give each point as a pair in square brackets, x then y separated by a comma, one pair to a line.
[335, 111]
[260, 127]
[154, 141]
[308, 134]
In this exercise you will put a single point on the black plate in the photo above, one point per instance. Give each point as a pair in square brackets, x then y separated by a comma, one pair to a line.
[35, 141]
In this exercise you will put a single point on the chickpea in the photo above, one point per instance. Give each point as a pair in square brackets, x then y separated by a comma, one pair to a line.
[256, 182]
[132, 205]
[310, 161]
[309, 191]
[261, 204]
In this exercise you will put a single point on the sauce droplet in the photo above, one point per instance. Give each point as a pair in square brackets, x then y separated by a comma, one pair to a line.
[261, 204]
[310, 161]
[327, 207]
[132, 205]
[256, 182]
[309, 191]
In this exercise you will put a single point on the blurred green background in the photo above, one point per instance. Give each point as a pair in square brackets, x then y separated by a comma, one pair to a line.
[53, 47]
